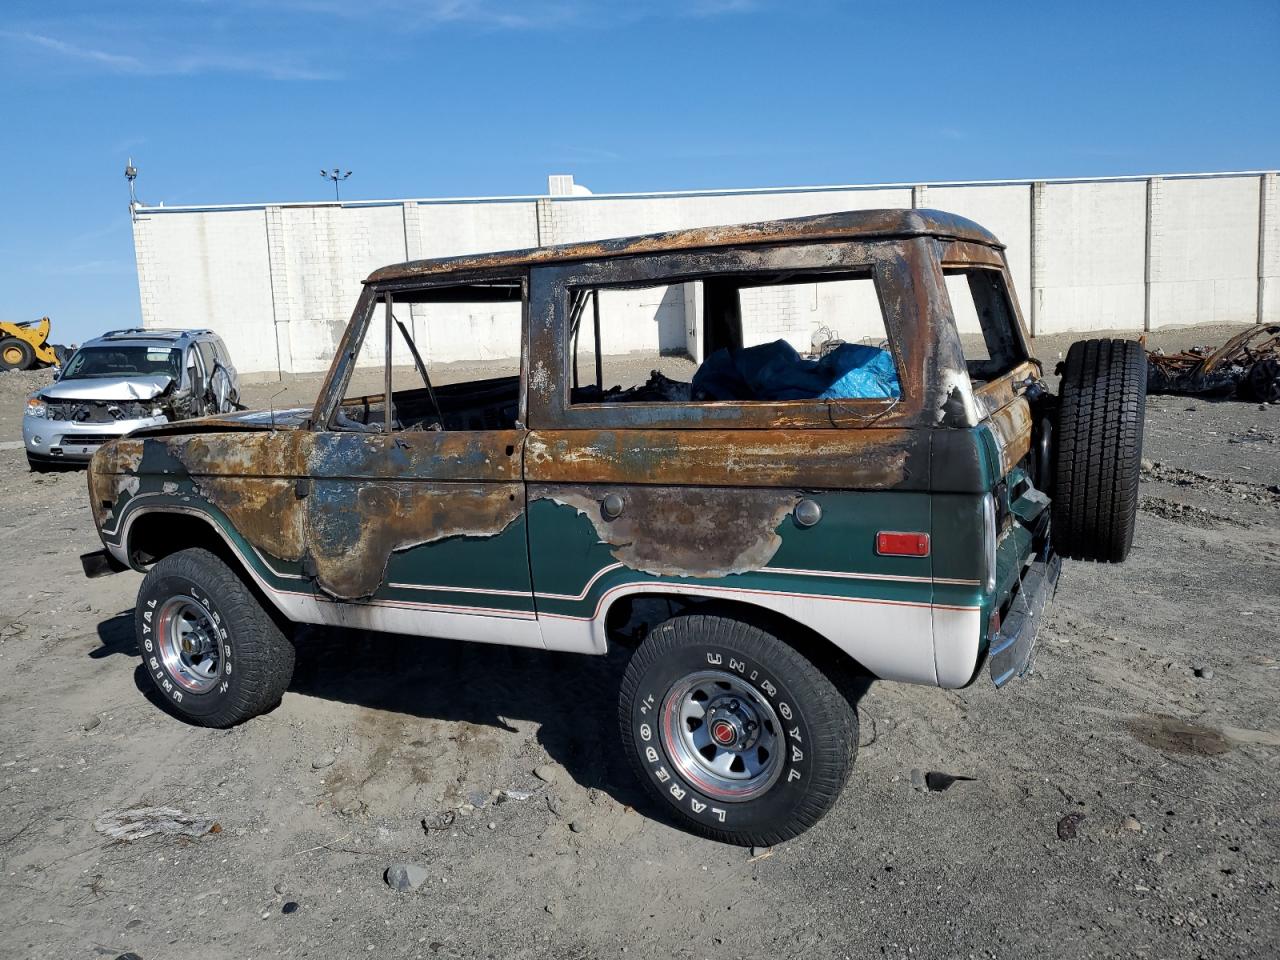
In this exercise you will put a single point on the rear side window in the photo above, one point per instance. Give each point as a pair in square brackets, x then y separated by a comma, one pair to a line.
[762, 338]
[985, 320]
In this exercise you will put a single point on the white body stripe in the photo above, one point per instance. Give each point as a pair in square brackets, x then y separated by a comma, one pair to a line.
[955, 644]
[896, 640]
[892, 639]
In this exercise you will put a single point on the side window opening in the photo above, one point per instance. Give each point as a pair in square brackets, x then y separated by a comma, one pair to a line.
[480, 324]
[207, 355]
[758, 338]
[985, 322]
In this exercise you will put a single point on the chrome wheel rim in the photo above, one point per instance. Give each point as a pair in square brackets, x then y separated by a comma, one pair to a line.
[189, 644]
[722, 736]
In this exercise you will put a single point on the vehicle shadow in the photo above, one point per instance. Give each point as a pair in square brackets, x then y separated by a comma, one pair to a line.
[117, 636]
[572, 698]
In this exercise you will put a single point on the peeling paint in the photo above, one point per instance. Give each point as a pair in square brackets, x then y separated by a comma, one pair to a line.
[265, 512]
[865, 458]
[353, 528]
[684, 531]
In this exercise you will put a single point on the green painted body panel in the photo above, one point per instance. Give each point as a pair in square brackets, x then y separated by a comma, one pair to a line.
[486, 564]
[567, 554]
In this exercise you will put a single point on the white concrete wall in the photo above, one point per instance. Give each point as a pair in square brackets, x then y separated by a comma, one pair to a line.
[572, 219]
[1204, 251]
[210, 270]
[1093, 252]
[279, 282]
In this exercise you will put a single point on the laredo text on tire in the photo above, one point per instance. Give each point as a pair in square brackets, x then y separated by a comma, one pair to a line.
[738, 733]
[211, 650]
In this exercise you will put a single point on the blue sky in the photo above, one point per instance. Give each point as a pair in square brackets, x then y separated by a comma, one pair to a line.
[245, 100]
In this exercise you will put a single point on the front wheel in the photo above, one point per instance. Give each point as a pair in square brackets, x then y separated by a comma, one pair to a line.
[16, 354]
[208, 645]
[745, 739]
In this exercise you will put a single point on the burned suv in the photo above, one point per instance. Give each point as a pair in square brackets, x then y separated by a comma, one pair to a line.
[122, 381]
[840, 457]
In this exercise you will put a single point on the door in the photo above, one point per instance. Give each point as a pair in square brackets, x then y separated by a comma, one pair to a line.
[421, 529]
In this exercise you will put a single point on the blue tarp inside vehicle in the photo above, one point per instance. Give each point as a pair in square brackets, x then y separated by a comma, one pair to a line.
[775, 371]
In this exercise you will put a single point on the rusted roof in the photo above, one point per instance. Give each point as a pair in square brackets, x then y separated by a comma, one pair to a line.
[848, 225]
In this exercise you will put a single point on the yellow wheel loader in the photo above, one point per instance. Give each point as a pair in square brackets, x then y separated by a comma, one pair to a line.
[25, 346]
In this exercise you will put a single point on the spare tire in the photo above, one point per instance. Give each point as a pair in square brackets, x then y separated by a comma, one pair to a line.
[1099, 449]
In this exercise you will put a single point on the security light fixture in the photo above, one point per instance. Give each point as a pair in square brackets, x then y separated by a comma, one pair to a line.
[131, 174]
[336, 176]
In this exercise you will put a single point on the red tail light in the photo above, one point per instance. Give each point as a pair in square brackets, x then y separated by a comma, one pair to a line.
[902, 544]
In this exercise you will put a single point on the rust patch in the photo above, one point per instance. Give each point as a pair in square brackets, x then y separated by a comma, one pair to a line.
[850, 225]
[112, 471]
[1012, 428]
[440, 456]
[279, 454]
[265, 512]
[1003, 390]
[966, 253]
[836, 459]
[682, 531]
[353, 528]
[250, 478]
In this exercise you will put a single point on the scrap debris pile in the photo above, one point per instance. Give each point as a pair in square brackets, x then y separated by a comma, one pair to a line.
[1246, 367]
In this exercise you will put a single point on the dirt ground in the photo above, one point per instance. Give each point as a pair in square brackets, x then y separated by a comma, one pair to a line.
[1153, 716]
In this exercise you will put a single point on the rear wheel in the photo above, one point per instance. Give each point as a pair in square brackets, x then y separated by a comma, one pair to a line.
[735, 731]
[1098, 451]
[196, 620]
[16, 354]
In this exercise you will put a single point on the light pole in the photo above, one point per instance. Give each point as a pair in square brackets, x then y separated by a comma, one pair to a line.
[131, 174]
[336, 176]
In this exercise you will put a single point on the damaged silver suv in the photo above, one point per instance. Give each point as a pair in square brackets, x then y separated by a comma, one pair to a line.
[125, 380]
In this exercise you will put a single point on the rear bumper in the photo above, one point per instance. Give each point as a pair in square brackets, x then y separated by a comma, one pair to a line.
[1012, 647]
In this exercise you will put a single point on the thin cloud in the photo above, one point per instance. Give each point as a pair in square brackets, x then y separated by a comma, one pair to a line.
[186, 64]
[528, 15]
[113, 60]
[166, 55]
[420, 14]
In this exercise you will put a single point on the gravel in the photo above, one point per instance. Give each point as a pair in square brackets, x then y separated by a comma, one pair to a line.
[1113, 723]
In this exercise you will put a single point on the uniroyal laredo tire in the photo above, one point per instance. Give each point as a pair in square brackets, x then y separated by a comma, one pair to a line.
[1098, 452]
[809, 727]
[242, 663]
